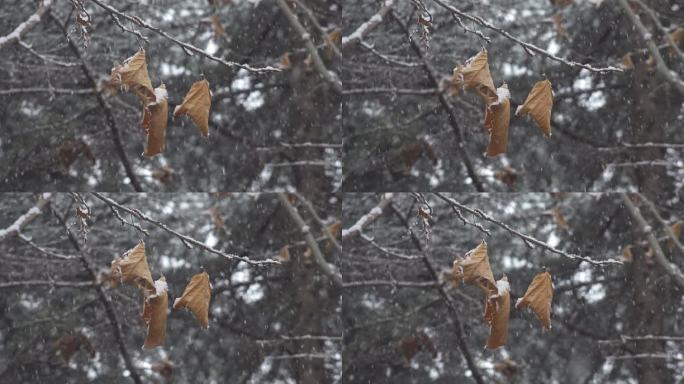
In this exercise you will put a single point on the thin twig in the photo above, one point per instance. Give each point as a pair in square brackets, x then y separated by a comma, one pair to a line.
[527, 239]
[26, 26]
[368, 218]
[186, 240]
[15, 228]
[647, 37]
[325, 267]
[659, 256]
[188, 48]
[529, 48]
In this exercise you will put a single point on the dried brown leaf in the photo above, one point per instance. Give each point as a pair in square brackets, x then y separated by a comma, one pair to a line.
[497, 312]
[497, 120]
[132, 267]
[474, 269]
[155, 312]
[475, 76]
[132, 75]
[538, 104]
[196, 297]
[155, 121]
[196, 104]
[538, 297]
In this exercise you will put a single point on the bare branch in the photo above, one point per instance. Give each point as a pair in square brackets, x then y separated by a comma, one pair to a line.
[659, 256]
[529, 240]
[186, 240]
[188, 48]
[368, 218]
[26, 26]
[646, 36]
[50, 283]
[365, 28]
[329, 76]
[15, 228]
[391, 283]
[325, 267]
[529, 48]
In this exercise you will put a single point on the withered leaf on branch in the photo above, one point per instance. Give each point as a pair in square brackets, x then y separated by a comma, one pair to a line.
[497, 120]
[132, 267]
[677, 36]
[155, 120]
[538, 104]
[538, 297]
[196, 297]
[155, 312]
[475, 76]
[474, 269]
[284, 255]
[71, 150]
[497, 312]
[196, 104]
[132, 75]
[676, 229]
[70, 343]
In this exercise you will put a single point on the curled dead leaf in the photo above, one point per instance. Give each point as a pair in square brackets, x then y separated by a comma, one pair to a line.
[497, 120]
[627, 62]
[475, 76]
[538, 297]
[155, 121]
[132, 267]
[132, 75]
[506, 367]
[506, 175]
[70, 343]
[71, 150]
[538, 104]
[284, 256]
[155, 312]
[474, 269]
[677, 36]
[676, 229]
[558, 217]
[196, 104]
[627, 255]
[497, 312]
[196, 297]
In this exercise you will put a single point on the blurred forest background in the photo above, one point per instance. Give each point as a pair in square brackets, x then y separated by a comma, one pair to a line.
[404, 323]
[57, 135]
[276, 323]
[404, 130]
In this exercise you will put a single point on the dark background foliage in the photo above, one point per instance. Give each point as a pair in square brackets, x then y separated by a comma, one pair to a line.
[249, 111]
[251, 307]
[590, 303]
[384, 115]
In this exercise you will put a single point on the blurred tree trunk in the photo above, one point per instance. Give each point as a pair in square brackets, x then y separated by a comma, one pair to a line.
[646, 279]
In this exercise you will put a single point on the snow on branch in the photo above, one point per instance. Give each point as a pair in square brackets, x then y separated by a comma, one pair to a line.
[16, 227]
[659, 256]
[368, 218]
[365, 28]
[186, 240]
[26, 26]
[529, 48]
[647, 37]
[188, 48]
[328, 75]
[325, 267]
[527, 239]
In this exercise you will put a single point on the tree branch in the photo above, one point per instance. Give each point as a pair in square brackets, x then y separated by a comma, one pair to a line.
[26, 26]
[186, 240]
[323, 265]
[659, 256]
[529, 48]
[368, 218]
[527, 239]
[106, 108]
[329, 76]
[662, 68]
[15, 228]
[188, 48]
